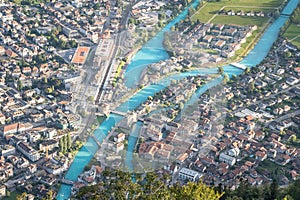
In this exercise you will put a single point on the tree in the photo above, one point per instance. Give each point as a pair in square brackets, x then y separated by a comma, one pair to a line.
[273, 190]
[61, 145]
[69, 141]
[234, 77]
[251, 86]
[181, 105]
[147, 109]
[91, 98]
[195, 191]
[19, 85]
[293, 138]
[151, 187]
[225, 78]
[45, 80]
[22, 196]
[65, 144]
[276, 14]
[220, 70]
[49, 195]
[287, 54]
[247, 70]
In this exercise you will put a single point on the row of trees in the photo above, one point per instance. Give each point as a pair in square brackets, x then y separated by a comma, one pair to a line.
[265, 192]
[65, 143]
[148, 187]
[293, 19]
[59, 43]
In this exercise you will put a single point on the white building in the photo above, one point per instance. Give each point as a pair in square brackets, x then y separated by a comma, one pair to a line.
[28, 151]
[2, 191]
[188, 174]
[234, 152]
[227, 159]
[119, 138]
[6, 150]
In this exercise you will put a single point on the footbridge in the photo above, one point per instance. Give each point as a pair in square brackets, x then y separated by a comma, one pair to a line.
[124, 114]
[67, 182]
[96, 140]
[238, 65]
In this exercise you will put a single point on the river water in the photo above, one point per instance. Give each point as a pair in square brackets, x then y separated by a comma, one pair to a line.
[152, 52]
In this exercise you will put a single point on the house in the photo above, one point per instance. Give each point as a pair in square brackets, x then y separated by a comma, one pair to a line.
[227, 159]
[260, 155]
[154, 135]
[10, 129]
[28, 151]
[182, 157]
[292, 81]
[220, 44]
[48, 145]
[119, 138]
[6, 150]
[2, 191]
[119, 147]
[70, 33]
[2, 50]
[207, 38]
[188, 174]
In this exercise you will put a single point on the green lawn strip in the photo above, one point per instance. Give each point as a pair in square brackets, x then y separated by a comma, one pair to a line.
[118, 72]
[246, 46]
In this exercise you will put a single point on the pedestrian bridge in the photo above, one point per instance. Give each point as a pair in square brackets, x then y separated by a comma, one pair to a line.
[124, 114]
[96, 140]
[238, 65]
[67, 182]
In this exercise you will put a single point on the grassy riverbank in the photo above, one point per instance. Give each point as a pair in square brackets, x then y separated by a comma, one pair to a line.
[292, 33]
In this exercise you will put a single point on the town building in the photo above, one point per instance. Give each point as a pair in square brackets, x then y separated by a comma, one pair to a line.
[188, 174]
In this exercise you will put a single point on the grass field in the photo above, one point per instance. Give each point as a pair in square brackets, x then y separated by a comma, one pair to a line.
[12, 196]
[293, 31]
[211, 8]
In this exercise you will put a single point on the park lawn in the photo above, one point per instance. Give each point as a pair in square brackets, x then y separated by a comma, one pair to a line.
[240, 20]
[293, 31]
[209, 9]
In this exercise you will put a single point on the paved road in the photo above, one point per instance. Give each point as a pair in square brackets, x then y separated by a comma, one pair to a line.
[287, 116]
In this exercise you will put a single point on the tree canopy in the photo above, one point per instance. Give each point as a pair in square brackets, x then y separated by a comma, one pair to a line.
[148, 186]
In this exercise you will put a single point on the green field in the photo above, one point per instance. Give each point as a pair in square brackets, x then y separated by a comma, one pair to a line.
[241, 20]
[209, 9]
[292, 32]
